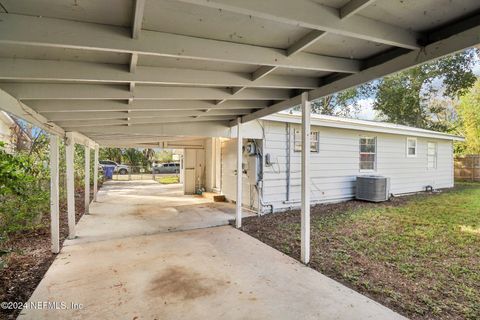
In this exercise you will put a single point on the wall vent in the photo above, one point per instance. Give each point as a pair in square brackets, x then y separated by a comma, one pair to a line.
[373, 188]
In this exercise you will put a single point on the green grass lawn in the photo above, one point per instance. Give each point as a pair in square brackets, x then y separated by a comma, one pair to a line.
[167, 179]
[418, 255]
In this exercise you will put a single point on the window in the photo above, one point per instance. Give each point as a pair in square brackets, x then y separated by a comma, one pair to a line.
[298, 141]
[411, 147]
[432, 155]
[368, 150]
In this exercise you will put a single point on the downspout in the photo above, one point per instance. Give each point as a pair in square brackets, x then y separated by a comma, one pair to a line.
[287, 169]
[259, 185]
[260, 198]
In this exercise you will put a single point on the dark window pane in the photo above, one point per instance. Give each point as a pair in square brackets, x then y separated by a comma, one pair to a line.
[367, 157]
[367, 148]
[366, 165]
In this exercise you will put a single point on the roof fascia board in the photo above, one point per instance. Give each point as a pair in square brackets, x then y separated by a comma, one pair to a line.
[360, 125]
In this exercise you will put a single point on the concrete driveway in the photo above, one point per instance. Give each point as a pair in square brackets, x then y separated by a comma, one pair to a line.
[125, 267]
[130, 208]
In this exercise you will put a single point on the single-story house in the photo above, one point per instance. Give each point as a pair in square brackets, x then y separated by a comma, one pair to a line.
[6, 124]
[341, 150]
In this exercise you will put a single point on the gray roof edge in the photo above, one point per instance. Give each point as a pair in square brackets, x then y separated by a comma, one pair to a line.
[363, 125]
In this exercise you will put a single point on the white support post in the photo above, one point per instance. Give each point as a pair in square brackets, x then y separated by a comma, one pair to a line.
[95, 174]
[87, 179]
[54, 195]
[182, 169]
[238, 210]
[305, 212]
[69, 156]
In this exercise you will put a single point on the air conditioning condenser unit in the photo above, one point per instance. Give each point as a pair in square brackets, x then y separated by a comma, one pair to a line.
[373, 188]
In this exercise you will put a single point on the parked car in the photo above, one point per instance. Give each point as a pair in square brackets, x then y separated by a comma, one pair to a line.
[167, 168]
[119, 168]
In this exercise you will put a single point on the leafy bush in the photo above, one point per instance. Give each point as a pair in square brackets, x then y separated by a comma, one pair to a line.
[23, 197]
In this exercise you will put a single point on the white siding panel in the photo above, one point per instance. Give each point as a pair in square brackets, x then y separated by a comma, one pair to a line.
[335, 167]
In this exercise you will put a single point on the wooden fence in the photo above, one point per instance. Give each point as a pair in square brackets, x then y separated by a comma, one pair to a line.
[467, 168]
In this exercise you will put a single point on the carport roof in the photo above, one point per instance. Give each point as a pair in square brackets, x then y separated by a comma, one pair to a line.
[190, 67]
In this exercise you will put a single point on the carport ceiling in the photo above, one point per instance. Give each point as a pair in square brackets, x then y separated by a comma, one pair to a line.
[142, 68]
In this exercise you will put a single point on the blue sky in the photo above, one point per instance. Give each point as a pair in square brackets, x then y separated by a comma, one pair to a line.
[366, 109]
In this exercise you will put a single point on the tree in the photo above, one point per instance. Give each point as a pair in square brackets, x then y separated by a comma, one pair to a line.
[421, 96]
[149, 155]
[133, 156]
[113, 154]
[468, 109]
[342, 104]
[164, 156]
[411, 97]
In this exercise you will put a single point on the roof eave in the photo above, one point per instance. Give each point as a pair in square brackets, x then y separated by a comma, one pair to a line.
[362, 125]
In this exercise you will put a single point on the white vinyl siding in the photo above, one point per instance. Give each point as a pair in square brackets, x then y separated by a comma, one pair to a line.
[431, 155]
[411, 147]
[333, 170]
[368, 153]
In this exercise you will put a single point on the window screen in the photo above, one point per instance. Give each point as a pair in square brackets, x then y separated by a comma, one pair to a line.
[298, 141]
[368, 151]
[411, 147]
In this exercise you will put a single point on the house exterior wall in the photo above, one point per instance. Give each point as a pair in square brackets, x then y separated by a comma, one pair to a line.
[229, 165]
[6, 130]
[212, 164]
[336, 164]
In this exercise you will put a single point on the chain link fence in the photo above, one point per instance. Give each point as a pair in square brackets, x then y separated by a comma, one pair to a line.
[132, 173]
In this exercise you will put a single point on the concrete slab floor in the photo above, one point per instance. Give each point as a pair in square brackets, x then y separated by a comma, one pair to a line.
[207, 273]
[130, 208]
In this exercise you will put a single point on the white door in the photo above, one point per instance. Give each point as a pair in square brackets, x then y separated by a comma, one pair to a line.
[199, 168]
[194, 162]
[229, 172]
[190, 161]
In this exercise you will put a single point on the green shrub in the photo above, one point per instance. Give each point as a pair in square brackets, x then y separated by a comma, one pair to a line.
[23, 194]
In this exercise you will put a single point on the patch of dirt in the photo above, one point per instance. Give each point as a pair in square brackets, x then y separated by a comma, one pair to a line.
[143, 210]
[147, 212]
[30, 256]
[179, 283]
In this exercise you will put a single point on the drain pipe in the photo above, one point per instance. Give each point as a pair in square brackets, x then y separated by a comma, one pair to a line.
[288, 156]
[260, 200]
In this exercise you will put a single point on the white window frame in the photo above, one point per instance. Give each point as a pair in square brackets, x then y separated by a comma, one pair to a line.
[314, 138]
[374, 153]
[435, 155]
[408, 146]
